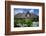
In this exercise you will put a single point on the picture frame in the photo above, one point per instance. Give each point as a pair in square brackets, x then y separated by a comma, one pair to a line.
[11, 9]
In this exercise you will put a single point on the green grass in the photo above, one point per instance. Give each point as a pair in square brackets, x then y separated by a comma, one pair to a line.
[22, 21]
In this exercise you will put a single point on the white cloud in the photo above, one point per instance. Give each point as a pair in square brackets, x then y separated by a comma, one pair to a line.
[18, 11]
[31, 11]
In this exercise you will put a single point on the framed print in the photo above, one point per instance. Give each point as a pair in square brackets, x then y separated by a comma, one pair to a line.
[24, 17]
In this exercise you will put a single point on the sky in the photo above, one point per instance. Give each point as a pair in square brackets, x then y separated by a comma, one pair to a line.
[24, 10]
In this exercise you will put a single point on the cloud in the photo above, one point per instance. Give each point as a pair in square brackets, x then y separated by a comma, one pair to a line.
[31, 11]
[18, 11]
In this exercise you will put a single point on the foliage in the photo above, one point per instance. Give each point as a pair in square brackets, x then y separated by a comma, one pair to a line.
[22, 21]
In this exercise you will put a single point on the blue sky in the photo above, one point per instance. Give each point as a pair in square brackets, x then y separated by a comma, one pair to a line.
[24, 10]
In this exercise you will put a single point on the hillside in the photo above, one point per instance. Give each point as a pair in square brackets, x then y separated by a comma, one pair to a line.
[25, 15]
